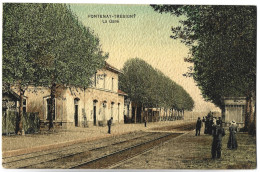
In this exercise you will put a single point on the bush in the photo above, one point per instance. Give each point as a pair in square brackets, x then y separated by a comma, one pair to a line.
[31, 122]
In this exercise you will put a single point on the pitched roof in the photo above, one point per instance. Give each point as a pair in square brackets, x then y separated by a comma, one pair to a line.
[8, 91]
[121, 92]
[112, 68]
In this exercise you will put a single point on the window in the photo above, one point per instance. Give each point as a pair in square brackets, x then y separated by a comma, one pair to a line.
[112, 84]
[104, 86]
[48, 101]
[112, 106]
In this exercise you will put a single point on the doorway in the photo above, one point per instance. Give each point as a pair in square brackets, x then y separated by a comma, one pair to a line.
[76, 112]
[118, 112]
[95, 112]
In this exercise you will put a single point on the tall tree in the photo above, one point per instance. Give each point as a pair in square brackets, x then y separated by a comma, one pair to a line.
[149, 87]
[46, 45]
[222, 42]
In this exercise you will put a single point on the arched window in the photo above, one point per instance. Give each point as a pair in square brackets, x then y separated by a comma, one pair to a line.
[112, 109]
[112, 87]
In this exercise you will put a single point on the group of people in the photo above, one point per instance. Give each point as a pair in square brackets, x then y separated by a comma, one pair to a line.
[214, 127]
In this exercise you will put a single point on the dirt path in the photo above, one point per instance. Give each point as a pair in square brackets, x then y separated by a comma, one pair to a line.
[194, 152]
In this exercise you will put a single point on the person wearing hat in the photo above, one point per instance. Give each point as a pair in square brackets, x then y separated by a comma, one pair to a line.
[232, 140]
[217, 132]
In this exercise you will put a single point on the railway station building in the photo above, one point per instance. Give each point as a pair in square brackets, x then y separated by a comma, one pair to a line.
[75, 107]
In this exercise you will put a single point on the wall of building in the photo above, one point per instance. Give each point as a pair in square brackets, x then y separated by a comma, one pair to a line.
[36, 101]
[104, 94]
[106, 80]
[108, 104]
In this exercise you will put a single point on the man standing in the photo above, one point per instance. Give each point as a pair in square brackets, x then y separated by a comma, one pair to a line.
[145, 120]
[203, 121]
[109, 123]
[198, 126]
[217, 132]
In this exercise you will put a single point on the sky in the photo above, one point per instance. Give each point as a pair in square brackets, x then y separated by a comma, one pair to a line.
[145, 35]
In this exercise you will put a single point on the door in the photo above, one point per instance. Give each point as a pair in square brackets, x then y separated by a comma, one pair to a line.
[95, 115]
[76, 112]
[76, 115]
[118, 112]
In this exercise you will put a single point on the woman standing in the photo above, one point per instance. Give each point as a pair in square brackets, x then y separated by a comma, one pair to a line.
[232, 141]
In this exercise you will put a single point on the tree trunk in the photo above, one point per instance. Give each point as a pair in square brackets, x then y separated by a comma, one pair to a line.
[166, 114]
[247, 114]
[160, 114]
[20, 115]
[52, 112]
[135, 113]
[252, 117]
[142, 114]
[223, 116]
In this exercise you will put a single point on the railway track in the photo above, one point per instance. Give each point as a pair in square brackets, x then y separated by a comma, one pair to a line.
[81, 156]
[97, 154]
[181, 127]
[43, 156]
[115, 157]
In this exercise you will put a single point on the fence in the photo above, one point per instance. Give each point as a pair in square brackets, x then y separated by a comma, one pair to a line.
[31, 122]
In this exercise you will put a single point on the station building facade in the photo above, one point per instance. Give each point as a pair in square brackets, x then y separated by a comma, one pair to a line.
[76, 107]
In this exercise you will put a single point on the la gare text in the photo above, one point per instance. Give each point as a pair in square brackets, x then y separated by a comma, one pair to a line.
[110, 21]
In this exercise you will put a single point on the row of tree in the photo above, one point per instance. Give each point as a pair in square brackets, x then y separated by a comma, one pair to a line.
[46, 45]
[150, 88]
[222, 42]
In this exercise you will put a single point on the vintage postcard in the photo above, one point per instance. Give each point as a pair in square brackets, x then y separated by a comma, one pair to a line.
[128, 86]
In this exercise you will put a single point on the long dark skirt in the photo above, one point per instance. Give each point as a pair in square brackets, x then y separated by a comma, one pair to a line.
[232, 141]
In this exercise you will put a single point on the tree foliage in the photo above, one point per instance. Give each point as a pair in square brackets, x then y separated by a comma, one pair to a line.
[46, 45]
[149, 87]
[222, 42]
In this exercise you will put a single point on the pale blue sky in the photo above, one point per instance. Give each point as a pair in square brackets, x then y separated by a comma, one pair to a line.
[146, 36]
